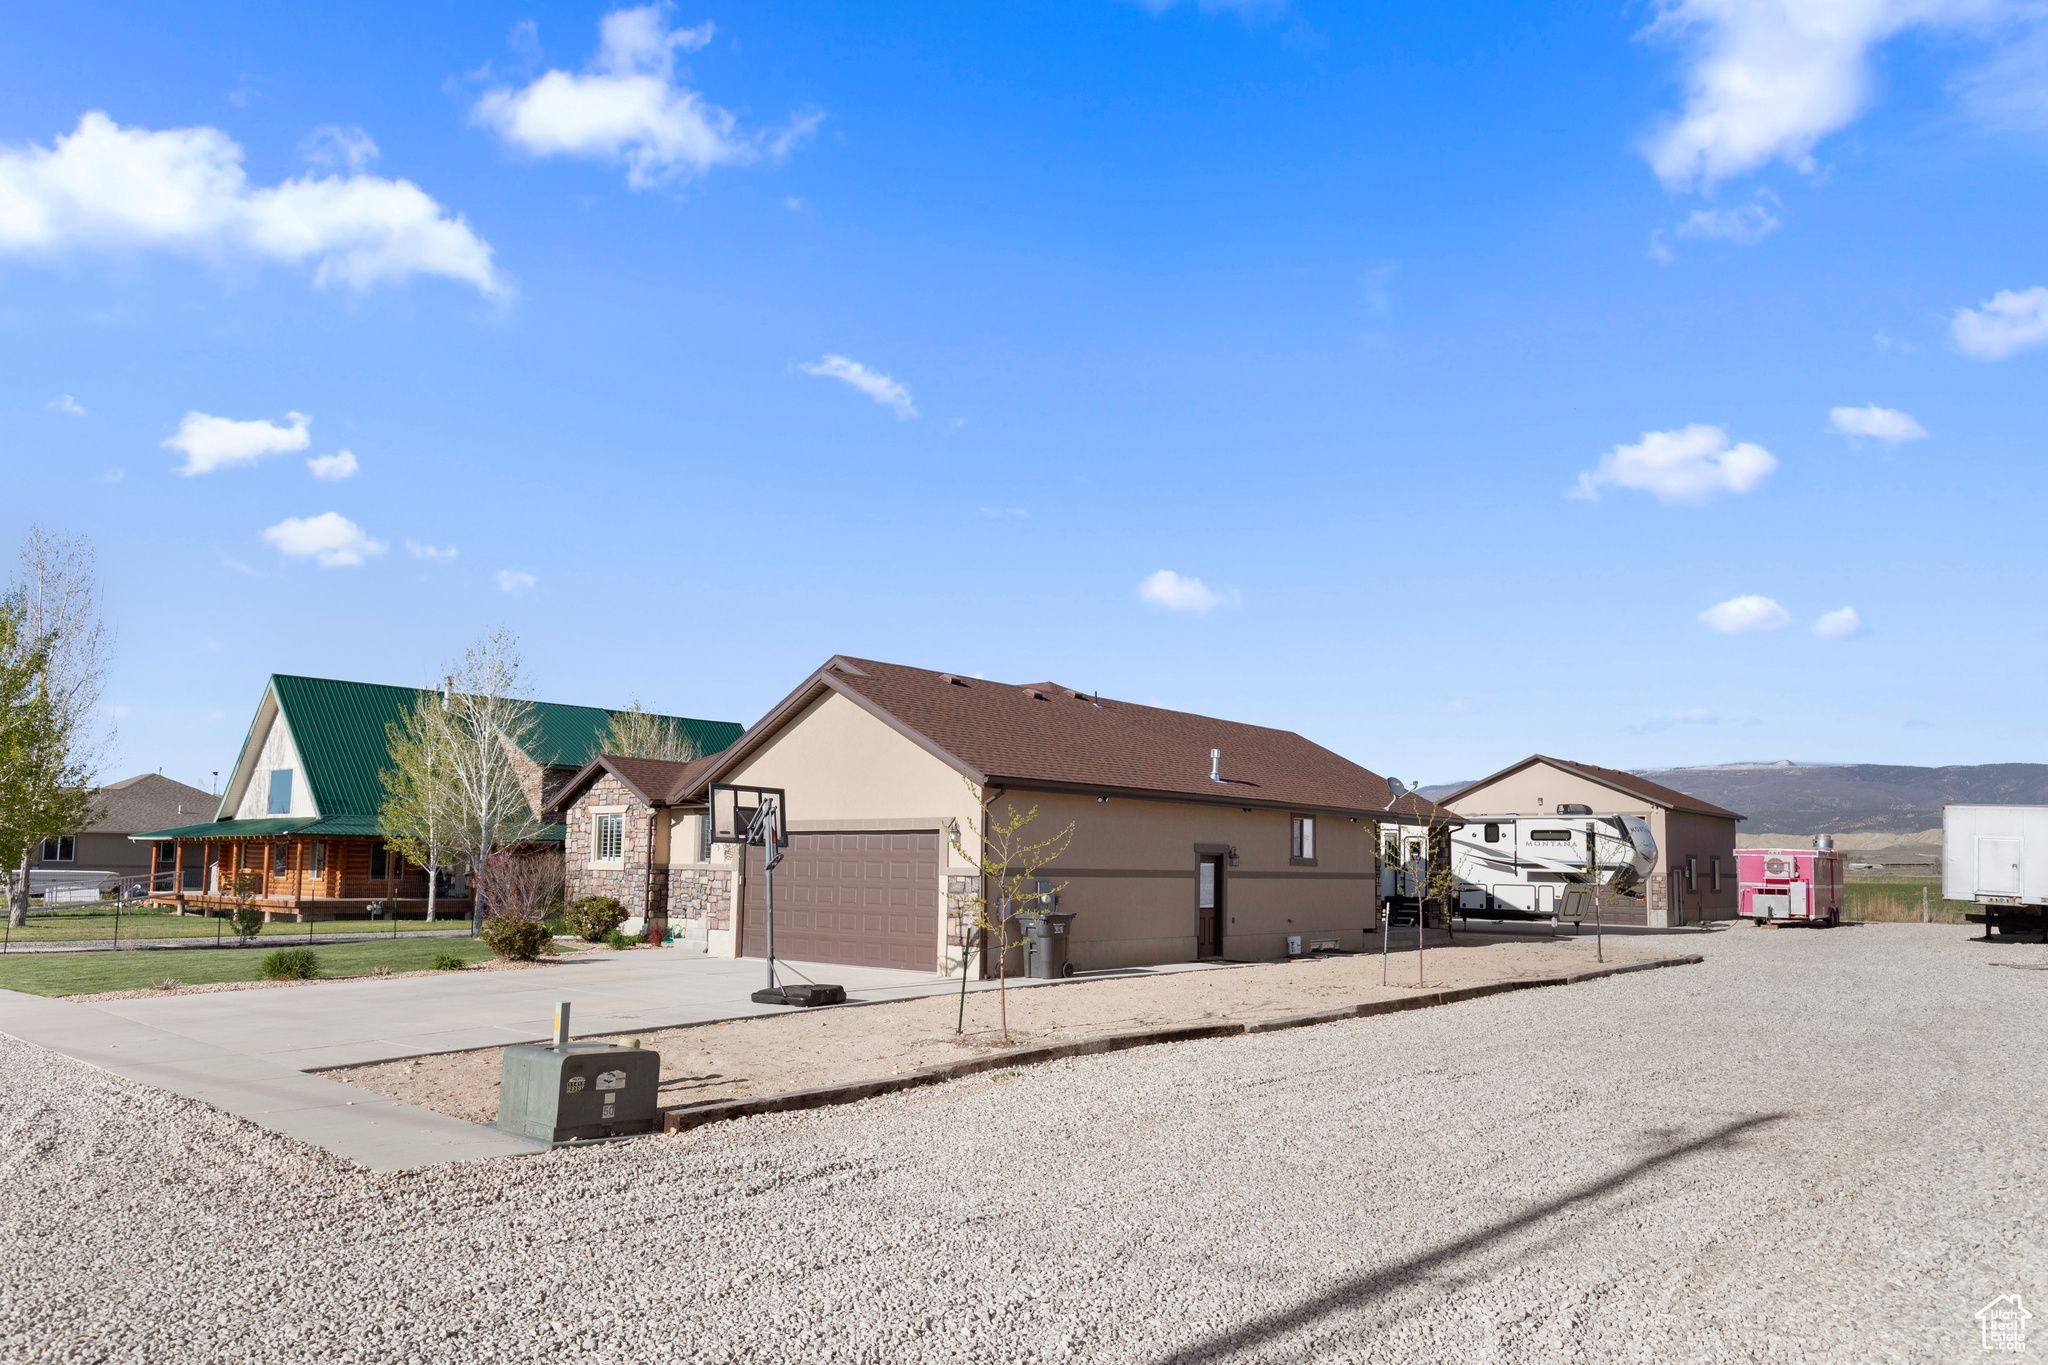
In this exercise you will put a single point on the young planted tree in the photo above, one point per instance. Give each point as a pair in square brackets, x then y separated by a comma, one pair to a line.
[57, 741]
[1421, 852]
[638, 733]
[490, 725]
[418, 814]
[1011, 862]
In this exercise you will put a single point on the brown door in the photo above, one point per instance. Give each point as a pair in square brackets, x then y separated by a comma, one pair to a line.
[1209, 908]
[866, 899]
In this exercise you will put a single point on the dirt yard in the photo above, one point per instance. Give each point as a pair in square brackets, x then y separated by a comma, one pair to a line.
[750, 1057]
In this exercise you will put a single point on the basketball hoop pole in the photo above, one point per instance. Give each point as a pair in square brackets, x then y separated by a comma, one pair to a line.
[763, 830]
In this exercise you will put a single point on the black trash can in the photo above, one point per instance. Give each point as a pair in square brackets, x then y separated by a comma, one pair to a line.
[1045, 945]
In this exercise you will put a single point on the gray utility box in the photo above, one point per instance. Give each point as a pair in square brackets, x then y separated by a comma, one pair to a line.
[577, 1092]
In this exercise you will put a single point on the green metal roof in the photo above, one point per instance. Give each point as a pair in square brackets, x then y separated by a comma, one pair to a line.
[339, 730]
[338, 826]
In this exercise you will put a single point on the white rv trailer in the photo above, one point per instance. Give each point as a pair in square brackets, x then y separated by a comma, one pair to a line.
[1519, 866]
[1997, 856]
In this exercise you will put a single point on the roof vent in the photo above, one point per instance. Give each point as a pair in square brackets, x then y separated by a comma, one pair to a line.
[949, 678]
[1035, 694]
[1569, 809]
[1215, 765]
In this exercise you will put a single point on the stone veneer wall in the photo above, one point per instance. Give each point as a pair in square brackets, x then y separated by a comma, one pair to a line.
[701, 893]
[627, 882]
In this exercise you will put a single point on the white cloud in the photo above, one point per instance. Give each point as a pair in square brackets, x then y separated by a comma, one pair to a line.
[419, 551]
[335, 146]
[114, 476]
[1770, 78]
[65, 404]
[1836, 624]
[212, 443]
[1696, 715]
[106, 188]
[1746, 224]
[2005, 323]
[330, 540]
[513, 581]
[1168, 589]
[1691, 464]
[341, 465]
[1250, 9]
[1742, 615]
[1004, 512]
[628, 107]
[873, 383]
[1881, 424]
[795, 133]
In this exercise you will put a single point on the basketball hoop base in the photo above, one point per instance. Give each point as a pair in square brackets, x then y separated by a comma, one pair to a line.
[801, 995]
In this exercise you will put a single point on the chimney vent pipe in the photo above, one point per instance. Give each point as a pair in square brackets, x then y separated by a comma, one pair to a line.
[1215, 765]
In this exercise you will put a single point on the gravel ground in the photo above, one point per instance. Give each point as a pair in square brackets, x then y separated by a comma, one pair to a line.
[1817, 1145]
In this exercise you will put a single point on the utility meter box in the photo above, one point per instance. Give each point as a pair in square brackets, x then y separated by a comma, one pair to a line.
[578, 1091]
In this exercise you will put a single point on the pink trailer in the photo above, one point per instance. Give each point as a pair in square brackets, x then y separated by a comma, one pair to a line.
[1801, 885]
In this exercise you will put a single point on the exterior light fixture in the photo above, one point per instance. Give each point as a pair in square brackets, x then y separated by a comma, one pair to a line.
[1233, 855]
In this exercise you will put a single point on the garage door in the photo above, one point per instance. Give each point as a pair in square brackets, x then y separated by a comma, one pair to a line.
[867, 899]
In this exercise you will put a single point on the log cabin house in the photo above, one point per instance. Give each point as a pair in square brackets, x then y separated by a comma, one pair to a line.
[299, 811]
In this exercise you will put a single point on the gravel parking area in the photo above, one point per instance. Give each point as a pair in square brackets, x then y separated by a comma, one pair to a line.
[1816, 1145]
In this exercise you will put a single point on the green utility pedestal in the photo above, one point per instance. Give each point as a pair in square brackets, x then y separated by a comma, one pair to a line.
[577, 1092]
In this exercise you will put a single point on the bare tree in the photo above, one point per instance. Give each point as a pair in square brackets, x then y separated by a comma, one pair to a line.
[638, 733]
[57, 603]
[490, 726]
[520, 885]
[1010, 862]
[418, 814]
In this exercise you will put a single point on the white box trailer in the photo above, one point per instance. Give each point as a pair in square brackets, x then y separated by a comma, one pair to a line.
[1997, 856]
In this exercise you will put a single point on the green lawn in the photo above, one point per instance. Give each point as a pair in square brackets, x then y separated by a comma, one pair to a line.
[97, 921]
[1895, 899]
[85, 973]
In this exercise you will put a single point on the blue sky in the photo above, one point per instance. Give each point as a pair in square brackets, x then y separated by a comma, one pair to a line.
[1444, 383]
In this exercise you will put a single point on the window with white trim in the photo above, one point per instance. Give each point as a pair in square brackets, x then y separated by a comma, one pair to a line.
[611, 839]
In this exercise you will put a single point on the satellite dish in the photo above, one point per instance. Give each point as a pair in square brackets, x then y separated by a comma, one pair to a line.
[1397, 787]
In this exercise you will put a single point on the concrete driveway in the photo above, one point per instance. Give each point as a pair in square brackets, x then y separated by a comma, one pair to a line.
[344, 1023]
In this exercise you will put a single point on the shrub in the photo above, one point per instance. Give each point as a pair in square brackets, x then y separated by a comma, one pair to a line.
[592, 918]
[169, 983]
[617, 941]
[291, 964]
[516, 938]
[448, 962]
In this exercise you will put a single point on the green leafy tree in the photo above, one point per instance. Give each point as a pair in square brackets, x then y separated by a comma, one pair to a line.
[418, 814]
[57, 650]
[1011, 862]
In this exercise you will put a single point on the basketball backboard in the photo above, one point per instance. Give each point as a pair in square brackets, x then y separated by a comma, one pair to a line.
[733, 813]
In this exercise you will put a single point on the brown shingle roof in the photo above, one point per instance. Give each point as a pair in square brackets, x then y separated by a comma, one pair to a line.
[150, 801]
[656, 781]
[1655, 793]
[1046, 735]
[1424, 810]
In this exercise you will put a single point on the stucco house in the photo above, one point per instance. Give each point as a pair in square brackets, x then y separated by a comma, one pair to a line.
[1175, 857]
[299, 811]
[1694, 878]
[104, 848]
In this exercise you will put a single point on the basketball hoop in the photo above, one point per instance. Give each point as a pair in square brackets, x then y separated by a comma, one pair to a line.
[758, 817]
